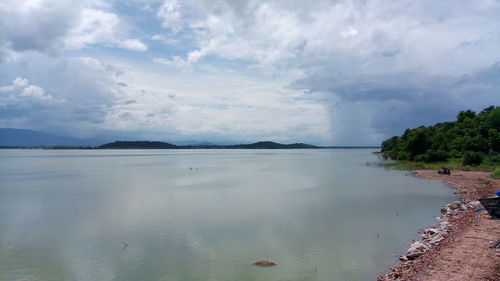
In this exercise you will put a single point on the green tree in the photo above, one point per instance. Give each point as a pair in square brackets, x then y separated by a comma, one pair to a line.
[494, 118]
[494, 138]
[417, 142]
[472, 158]
[470, 138]
[462, 115]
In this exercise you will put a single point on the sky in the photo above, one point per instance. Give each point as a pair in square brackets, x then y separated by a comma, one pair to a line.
[321, 72]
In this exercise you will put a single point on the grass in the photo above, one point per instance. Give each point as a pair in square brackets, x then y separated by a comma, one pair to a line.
[453, 164]
[495, 174]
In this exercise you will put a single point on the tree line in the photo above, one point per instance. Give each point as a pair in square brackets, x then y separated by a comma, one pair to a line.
[473, 137]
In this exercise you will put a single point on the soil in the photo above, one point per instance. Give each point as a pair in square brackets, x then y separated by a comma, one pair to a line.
[466, 253]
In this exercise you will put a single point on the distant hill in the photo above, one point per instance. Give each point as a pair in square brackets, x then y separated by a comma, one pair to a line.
[21, 138]
[192, 143]
[29, 138]
[272, 145]
[166, 145]
[138, 145]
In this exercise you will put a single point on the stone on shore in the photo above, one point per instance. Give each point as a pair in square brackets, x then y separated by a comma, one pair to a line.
[416, 249]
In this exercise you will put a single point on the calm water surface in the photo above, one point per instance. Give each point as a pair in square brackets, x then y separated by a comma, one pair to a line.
[206, 214]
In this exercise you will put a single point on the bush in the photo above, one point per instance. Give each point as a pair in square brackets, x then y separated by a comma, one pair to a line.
[472, 158]
[494, 137]
[403, 155]
[435, 156]
[493, 158]
[495, 174]
[419, 158]
[476, 143]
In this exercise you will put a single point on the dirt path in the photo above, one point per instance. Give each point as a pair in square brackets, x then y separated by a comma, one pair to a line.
[465, 253]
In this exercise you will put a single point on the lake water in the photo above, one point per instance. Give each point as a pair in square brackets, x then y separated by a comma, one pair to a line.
[206, 214]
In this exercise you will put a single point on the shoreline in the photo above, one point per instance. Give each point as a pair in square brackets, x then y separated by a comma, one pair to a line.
[459, 246]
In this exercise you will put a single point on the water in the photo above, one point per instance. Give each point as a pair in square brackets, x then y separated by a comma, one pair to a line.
[206, 214]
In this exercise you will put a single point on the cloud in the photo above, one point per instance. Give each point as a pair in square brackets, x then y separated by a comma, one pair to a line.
[170, 15]
[401, 60]
[399, 36]
[51, 27]
[176, 61]
[37, 25]
[20, 94]
[133, 44]
[342, 72]
[71, 95]
[95, 99]
[100, 27]
[165, 40]
[230, 108]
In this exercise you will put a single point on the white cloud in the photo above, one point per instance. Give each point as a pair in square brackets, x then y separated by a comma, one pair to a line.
[176, 61]
[230, 107]
[95, 27]
[165, 40]
[20, 94]
[349, 32]
[100, 27]
[18, 83]
[133, 44]
[35, 92]
[370, 36]
[170, 15]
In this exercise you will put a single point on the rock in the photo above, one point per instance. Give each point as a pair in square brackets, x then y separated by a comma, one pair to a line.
[413, 255]
[416, 249]
[265, 263]
[473, 204]
[454, 205]
[403, 258]
[418, 245]
[432, 231]
[445, 210]
[443, 225]
[436, 239]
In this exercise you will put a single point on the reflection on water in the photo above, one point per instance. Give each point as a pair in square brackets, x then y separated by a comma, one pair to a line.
[206, 214]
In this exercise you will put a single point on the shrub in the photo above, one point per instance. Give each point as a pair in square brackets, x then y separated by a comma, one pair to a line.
[495, 174]
[493, 158]
[419, 158]
[435, 156]
[403, 155]
[494, 137]
[472, 158]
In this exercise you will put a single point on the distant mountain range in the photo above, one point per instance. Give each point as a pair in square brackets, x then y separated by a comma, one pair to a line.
[28, 138]
[166, 145]
[21, 138]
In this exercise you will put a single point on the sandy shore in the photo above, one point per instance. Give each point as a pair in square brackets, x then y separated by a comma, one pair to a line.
[464, 251]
